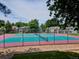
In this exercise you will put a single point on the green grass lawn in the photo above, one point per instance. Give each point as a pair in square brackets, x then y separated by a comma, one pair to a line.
[47, 55]
[75, 34]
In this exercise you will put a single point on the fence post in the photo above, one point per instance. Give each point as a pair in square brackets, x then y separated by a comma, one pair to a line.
[54, 37]
[4, 39]
[22, 39]
[39, 39]
[67, 37]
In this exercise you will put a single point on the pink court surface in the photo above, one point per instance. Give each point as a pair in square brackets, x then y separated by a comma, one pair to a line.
[36, 43]
[6, 36]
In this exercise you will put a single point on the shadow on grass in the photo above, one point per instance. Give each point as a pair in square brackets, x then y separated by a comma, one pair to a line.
[47, 55]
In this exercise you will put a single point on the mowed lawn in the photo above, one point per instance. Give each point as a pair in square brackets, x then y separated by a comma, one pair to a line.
[75, 34]
[47, 55]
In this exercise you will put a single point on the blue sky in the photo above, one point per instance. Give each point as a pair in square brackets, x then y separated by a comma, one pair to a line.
[25, 10]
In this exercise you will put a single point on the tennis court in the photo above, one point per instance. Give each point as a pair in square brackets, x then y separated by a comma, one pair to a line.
[20, 39]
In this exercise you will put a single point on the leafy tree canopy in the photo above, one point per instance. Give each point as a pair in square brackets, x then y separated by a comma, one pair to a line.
[4, 9]
[67, 10]
[2, 23]
[20, 24]
[34, 25]
[52, 22]
[43, 27]
[8, 26]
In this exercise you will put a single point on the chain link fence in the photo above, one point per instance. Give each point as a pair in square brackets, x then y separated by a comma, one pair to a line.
[26, 37]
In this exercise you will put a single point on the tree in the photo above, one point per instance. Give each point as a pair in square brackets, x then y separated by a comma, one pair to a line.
[2, 23]
[20, 24]
[25, 24]
[13, 24]
[52, 22]
[67, 10]
[34, 25]
[43, 27]
[8, 27]
[4, 9]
